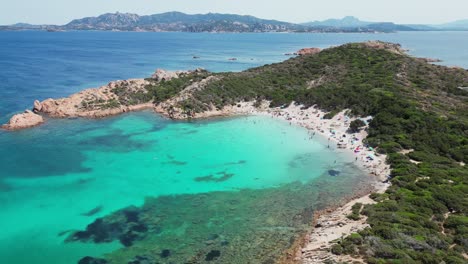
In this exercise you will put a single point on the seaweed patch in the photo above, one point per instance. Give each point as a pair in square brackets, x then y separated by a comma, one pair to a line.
[93, 211]
[211, 178]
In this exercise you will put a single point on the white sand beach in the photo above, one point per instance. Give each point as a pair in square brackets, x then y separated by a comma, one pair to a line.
[332, 223]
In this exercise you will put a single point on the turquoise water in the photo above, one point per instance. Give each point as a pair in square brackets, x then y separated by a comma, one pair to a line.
[243, 187]
[122, 160]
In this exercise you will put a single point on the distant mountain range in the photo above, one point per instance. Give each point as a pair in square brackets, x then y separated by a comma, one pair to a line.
[176, 21]
[212, 22]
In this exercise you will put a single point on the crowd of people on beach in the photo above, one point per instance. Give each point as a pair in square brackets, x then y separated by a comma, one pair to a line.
[337, 132]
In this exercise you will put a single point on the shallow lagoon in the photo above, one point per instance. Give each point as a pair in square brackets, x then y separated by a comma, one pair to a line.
[248, 174]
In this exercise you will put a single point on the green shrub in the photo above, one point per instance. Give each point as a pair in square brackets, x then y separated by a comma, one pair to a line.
[356, 125]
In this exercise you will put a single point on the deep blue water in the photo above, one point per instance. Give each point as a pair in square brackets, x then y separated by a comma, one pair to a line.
[38, 65]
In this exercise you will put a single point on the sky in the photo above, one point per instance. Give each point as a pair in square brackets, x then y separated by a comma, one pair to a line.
[399, 11]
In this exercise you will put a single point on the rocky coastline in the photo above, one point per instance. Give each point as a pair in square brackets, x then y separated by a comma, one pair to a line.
[91, 103]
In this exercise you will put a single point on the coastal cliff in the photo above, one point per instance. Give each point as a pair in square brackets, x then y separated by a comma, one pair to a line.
[419, 121]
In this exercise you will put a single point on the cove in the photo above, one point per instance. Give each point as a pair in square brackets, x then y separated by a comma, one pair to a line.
[230, 189]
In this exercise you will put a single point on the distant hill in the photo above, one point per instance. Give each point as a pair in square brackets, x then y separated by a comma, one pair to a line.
[24, 26]
[346, 22]
[389, 27]
[456, 25]
[420, 27]
[177, 21]
[355, 24]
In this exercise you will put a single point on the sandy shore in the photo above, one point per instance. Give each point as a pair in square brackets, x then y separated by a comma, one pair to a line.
[332, 223]
[335, 130]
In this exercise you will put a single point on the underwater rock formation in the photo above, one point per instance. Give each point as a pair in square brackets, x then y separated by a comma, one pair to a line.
[91, 260]
[93, 211]
[142, 260]
[211, 178]
[213, 255]
[125, 225]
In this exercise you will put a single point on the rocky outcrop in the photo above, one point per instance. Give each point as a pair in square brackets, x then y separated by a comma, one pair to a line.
[430, 60]
[114, 98]
[107, 100]
[163, 75]
[37, 106]
[308, 51]
[329, 226]
[94, 103]
[392, 47]
[24, 120]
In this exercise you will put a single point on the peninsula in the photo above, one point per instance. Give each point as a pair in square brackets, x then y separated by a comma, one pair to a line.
[412, 114]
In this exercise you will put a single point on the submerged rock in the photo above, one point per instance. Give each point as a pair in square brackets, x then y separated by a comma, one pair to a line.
[91, 260]
[125, 225]
[142, 260]
[165, 253]
[23, 120]
[212, 255]
[211, 178]
[131, 214]
[333, 173]
[93, 211]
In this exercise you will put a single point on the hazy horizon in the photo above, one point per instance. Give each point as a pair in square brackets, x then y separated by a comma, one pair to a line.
[295, 11]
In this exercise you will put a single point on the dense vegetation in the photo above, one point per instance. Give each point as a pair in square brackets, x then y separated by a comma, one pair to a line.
[163, 90]
[417, 107]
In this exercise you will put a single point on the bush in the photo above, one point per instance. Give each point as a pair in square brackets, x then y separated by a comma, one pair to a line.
[356, 125]
[337, 249]
[355, 211]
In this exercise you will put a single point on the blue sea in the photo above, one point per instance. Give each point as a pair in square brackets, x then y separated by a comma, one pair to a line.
[233, 190]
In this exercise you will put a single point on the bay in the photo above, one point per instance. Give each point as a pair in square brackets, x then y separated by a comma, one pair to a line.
[210, 185]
